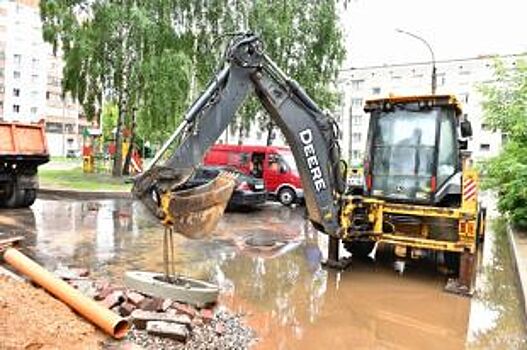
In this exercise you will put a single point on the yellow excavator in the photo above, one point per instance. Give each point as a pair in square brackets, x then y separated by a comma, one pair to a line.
[419, 193]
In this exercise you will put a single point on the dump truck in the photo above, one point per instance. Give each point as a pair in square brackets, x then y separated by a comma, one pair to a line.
[23, 148]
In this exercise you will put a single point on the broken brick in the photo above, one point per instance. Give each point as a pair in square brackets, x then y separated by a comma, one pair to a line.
[135, 298]
[168, 330]
[165, 305]
[113, 299]
[152, 304]
[185, 308]
[126, 308]
[206, 314]
[141, 317]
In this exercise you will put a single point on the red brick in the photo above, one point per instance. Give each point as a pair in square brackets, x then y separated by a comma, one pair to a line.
[151, 304]
[206, 314]
[113, 299]
[126, 309]
[185, 308]
[135, 298]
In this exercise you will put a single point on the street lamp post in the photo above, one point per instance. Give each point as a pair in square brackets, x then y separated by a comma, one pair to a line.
[434, 76]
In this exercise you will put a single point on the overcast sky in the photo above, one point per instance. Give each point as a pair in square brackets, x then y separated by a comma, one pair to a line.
[454, 29]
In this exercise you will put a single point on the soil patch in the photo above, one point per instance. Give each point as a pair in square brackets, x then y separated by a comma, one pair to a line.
[30, 318]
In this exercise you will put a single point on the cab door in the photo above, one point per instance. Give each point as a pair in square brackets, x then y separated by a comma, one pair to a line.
[273, 176]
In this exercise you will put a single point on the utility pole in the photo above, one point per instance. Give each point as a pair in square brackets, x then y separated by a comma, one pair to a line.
[434, 72]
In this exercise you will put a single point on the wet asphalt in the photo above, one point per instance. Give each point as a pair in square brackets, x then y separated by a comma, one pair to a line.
[267, 263]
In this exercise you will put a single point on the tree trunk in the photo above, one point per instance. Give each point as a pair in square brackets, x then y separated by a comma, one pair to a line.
[118, 157]
[128, 159]
[269, 134]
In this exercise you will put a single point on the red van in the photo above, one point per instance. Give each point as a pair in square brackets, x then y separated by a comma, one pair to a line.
[275, 165]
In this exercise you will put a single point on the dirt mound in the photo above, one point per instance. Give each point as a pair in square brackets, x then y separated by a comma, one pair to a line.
[30, 318]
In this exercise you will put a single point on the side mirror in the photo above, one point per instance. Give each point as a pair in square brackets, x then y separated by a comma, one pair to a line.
[283, 168]
[465, 128]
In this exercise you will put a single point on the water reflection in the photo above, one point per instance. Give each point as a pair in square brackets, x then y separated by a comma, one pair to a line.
[290, 300]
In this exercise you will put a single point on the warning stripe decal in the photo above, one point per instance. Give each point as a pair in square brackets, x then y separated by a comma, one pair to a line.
[469, 189]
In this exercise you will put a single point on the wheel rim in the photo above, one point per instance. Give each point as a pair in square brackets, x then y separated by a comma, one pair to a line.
[286, 197]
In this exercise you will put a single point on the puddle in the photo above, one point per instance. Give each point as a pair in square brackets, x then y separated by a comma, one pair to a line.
[277, 281]
[497, 320]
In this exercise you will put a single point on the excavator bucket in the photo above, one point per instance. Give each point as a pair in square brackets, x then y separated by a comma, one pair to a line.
[192, 211]
[195, 212]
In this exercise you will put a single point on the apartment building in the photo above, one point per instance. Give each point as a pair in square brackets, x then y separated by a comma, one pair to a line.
[30, 78]
[460, 77]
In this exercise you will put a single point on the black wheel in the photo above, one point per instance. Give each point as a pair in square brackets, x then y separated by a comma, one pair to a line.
[286, 196]
[452, 261]
[29, 197]
[14, 198]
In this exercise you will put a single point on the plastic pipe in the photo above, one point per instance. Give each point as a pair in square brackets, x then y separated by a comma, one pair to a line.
[107, 320]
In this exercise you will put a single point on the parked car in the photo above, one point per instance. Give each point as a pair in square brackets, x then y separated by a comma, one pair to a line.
[249, 191]
[274, 165]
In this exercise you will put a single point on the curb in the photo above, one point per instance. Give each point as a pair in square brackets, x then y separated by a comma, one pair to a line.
[518, 261]
[52, 193]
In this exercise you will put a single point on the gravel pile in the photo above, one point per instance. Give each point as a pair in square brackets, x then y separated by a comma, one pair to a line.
[224, 331]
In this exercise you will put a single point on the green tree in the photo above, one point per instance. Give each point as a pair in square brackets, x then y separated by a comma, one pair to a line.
[110, 48]
[505, 109]
[152, 58]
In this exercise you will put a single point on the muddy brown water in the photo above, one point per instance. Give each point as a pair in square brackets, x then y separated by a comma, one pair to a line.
[287, 297]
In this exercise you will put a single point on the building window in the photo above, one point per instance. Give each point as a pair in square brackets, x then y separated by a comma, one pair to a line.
[48, 95]
[16, 108]
[357, 120]
[17, 60]
[69, 128]
[16, 74]
[484, 147]
[16, 92]
[356, 102]
[356, 85]
[33, 110]
[356, 137]
[54, 127]
[34, 78]
[355, 154]
[464, 98]
[376, 91]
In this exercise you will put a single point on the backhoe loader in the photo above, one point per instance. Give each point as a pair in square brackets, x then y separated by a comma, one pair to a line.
[419, 193]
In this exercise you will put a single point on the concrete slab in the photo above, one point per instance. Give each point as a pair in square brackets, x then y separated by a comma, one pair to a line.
[187, 290]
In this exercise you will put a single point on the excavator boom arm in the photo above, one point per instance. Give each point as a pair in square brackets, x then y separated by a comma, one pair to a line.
[311, 134]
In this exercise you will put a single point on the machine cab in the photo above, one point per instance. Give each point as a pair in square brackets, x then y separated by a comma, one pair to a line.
[412, 148]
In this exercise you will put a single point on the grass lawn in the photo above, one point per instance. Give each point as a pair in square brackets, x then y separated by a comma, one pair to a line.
[75, 179]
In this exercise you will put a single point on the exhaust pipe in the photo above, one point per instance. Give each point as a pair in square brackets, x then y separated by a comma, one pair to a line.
[108, 321]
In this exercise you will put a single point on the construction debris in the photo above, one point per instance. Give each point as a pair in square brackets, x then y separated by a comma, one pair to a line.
[159, 323]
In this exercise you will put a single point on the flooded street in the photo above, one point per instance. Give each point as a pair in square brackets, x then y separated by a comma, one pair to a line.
[267, 263]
